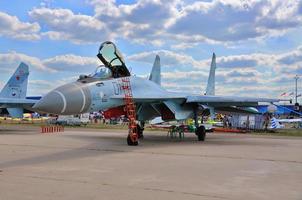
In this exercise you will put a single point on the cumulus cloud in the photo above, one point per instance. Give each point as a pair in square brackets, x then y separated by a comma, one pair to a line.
[12, 27]
[71, 62]
[61, 63]
[63, 24]
[173, 59]
[227, 20]
[245, 74]
[293, 57]
[168, 58]
[143, 21]
[178, 23]
[13, 59]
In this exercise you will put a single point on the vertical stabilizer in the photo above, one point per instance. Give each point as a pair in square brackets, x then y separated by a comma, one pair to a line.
[155, 75]
[211, 81]
[275, 124]
[16, 87]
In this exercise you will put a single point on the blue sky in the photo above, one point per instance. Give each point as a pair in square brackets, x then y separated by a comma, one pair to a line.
[257, 43]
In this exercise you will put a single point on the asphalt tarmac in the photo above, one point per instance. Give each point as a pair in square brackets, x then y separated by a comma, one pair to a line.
[97, 164]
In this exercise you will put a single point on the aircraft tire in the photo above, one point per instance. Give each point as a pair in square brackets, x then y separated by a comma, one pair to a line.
[201, 133]
[130, 142]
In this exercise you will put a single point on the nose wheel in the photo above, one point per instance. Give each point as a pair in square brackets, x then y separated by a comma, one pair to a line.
[132, 139]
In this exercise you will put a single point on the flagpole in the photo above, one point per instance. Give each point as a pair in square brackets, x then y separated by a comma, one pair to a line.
[296, 78]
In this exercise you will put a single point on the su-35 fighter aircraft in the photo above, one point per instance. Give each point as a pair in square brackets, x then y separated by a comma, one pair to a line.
[13, 95]
[112, 86]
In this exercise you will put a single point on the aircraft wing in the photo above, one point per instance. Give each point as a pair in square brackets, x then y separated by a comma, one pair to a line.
[8, 102]
[289, 120]
[214, 101]
[144, 98]
[221, 101]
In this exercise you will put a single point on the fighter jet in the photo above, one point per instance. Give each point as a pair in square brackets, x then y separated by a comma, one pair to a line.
[105, 89]
[13, 95]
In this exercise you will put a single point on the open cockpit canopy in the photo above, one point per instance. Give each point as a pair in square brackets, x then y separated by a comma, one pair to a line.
[113, 60]
[114, 64]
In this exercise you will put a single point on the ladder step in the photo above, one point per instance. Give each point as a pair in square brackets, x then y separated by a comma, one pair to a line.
[129, 104]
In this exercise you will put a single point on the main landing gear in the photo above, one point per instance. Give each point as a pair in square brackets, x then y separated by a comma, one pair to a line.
[201, 133]
[200, 130]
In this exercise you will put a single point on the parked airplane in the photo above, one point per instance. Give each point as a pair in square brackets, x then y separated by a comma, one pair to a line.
[278, 123]
[104, 90]
[13, 95]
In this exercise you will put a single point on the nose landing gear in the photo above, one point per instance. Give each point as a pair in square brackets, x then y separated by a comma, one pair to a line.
[132, 139]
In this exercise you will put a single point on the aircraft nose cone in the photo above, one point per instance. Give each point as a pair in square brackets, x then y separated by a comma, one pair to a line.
[72, 98]
[51, 103]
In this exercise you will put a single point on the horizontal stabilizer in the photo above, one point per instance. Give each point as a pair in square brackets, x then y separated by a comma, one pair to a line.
[9, 102]
[15, 112]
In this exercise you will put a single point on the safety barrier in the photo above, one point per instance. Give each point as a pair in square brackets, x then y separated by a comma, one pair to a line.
[52, 129]
[229, 130]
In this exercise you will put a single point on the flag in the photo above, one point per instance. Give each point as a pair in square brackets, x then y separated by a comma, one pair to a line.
[283, 94]
[290, 94]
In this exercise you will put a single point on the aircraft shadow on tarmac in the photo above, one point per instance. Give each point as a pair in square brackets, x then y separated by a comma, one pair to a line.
[102, 145]
[16, 132]
[212, 139]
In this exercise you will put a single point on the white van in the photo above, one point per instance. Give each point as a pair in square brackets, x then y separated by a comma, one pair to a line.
[73, 120]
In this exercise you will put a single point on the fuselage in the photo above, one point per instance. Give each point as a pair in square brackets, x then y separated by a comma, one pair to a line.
[81, 96]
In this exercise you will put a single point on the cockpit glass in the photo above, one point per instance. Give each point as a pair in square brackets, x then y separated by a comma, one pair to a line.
[108, 52]
[113, 59]
[111, 55]
[102, 72]
[120, 55]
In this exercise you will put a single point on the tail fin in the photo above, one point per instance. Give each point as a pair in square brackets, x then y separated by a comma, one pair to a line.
[16, 87]
[275, 124]
[155, 75]
[211, 80]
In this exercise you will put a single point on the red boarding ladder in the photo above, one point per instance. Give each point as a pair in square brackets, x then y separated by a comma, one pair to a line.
[130, 109]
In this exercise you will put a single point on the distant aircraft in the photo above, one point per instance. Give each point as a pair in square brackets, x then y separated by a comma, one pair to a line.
[106, 89]
[13, 95]
[278, 123]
